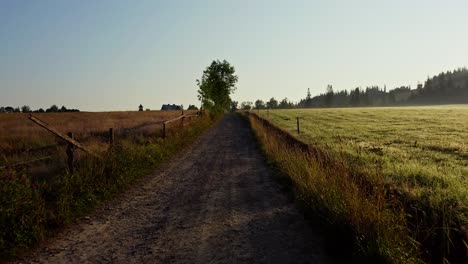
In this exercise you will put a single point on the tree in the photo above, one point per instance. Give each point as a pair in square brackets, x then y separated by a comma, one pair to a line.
[355, 97]
[259, 104]
[140, 108]
[308, 100]
[329, 96]
[218, 82]
[25, 109]
[419, 89]
[246, 105]
[234, 105]
[2, 109]
[272, 104]
[192, 107]
[284, 104]
[52, 109]
[63, 109]
[9, 109]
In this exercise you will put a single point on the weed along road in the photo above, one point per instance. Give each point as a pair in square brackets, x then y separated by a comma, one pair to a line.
[217, 202]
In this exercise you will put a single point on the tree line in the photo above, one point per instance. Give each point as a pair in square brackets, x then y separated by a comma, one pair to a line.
[271, 104]
[445, 88]
[27, 109]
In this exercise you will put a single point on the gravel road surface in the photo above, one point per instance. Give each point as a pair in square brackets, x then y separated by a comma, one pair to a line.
[216, 202]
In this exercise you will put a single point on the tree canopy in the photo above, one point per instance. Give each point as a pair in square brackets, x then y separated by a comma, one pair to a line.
[272, 104]
[246, 105]
[218, 82]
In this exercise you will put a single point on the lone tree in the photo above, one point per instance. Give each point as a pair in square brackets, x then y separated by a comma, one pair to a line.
[218, 82]
[140, 108]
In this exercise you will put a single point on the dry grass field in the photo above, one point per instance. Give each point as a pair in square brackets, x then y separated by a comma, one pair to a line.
[16, 130]
[21, 139]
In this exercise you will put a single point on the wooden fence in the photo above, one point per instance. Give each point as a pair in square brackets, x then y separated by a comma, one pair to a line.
[73, 145]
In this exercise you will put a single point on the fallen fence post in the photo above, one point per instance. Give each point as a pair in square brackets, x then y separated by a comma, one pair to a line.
[70, 152]
[298, 130]
[62, 136]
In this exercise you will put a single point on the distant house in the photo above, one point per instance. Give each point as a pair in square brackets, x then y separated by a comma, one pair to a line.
[171, 107]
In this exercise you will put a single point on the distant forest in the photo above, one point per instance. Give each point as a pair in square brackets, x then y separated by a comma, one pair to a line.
[445, 88]
[27, 109]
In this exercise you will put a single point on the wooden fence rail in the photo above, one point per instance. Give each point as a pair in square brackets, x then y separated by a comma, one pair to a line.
[72, 144]
[68, 139]
[24, 162]
[182, 117]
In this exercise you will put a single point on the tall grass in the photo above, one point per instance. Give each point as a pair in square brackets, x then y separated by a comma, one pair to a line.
[32, 206]
[384, 223]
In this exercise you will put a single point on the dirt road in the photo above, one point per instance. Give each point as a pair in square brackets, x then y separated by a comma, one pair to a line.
[215, 203]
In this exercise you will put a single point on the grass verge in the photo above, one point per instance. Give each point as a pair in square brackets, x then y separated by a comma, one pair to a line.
[353, 204]
[33, 207]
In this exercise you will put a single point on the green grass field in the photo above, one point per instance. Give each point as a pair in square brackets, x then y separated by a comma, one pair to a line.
[421, 152]
[421, 147]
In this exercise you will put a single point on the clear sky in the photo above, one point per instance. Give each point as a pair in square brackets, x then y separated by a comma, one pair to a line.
[100, 55]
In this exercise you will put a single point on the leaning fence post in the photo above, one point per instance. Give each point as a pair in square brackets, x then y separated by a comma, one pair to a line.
[111, 137]
[298, 130]
[164, 130]
[70, 152]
